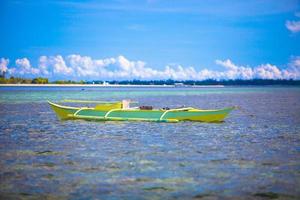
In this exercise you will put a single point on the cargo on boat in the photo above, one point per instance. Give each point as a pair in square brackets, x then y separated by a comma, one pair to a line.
[121, 111]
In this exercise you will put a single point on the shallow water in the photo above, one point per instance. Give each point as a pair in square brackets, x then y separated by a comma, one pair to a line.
[254, 154]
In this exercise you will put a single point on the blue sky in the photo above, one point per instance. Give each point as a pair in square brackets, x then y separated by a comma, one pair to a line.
[163, 38]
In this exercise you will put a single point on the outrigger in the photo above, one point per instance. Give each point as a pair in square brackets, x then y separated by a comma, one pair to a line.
[121, 111]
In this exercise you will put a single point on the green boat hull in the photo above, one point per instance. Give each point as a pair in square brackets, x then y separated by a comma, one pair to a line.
[175, 115]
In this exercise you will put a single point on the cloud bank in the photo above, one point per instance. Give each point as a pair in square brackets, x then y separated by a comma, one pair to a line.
[78, 67]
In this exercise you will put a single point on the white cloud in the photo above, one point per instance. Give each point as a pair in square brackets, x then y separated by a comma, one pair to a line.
[119, 67]
[295, 62]
[294, 68]
[234, 71]
[23, 62]
[227, 63]
[293, 26]
[3, 65]
[264, 71]
[116, 68]
[43, 65]
[59, 65]
[268, 71]
[54, 65]
[133, 69]
[85, 66]
[24, 67]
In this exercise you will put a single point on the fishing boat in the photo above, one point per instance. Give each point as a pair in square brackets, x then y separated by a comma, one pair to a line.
[121, 111]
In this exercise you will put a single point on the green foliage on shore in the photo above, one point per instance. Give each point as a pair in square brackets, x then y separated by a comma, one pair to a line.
[68, 82]
[40, 80]
[17, 80]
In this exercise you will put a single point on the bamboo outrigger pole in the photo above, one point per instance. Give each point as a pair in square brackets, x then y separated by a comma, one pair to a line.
[85, 101]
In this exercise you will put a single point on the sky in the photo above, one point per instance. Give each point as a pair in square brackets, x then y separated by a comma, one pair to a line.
[150, 39]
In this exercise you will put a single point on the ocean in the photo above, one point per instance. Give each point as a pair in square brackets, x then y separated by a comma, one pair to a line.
[254, 153]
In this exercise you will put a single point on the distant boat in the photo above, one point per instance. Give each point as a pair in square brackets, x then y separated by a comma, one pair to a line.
[180, 85]
[120, 111]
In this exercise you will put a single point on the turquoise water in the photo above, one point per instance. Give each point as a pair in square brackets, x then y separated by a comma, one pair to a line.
[42, 94]
[254, 154]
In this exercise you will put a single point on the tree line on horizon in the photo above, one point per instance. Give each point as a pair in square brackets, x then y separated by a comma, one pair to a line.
[38, 80]
[41, 80]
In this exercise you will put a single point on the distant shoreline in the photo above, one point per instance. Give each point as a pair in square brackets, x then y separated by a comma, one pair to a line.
[110, 85]
[44, 82]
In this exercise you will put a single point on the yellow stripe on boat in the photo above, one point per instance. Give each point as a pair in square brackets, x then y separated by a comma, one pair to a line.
[109, 106]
